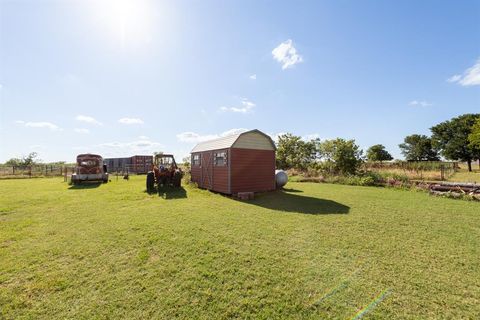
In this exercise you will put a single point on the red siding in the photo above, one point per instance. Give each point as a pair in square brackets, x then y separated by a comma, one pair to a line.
[252, 170]
[220, 179]
[196, 173]
[209, 176]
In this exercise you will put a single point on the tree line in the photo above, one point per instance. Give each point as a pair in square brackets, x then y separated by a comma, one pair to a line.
[30, 160]
[457, 139]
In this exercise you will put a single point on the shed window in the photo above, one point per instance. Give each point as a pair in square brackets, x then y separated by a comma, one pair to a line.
[220, 158]
[196, 160]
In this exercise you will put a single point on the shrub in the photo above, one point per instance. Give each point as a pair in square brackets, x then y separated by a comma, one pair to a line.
[351, 180]
[340, 156]
[366, 178]
[294, 152]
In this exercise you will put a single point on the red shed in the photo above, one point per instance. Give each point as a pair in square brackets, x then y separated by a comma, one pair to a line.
[243, 162]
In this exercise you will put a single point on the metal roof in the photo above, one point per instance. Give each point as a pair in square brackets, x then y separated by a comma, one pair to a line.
[225, 142]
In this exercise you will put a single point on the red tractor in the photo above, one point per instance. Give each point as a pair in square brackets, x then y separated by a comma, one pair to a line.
[165, 173]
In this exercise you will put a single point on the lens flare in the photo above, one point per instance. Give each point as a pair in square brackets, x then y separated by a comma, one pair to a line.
[379, 298]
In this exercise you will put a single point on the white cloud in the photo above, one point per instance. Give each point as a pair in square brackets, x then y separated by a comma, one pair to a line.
[143, 137]
[420, 103]
[81, 130]
[454, 78]
[307, 137]
[311, 136]
[129, 148]
[122, 148]
[42, 124]
[246, 107]
[233, 131]
[192, 137]
[130, 121]
[286, 54]
[88, 119]
[275, 136]
[470, 77]
[253, 77]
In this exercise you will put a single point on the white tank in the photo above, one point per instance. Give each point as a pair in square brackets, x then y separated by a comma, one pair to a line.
[281, 178]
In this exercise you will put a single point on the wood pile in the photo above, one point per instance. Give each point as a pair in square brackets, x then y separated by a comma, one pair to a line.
[456, 189]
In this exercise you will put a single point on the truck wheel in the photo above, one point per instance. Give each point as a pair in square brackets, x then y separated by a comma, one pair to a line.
[150, 181]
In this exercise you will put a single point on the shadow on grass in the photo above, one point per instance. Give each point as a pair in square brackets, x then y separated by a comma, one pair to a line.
[151, 192]
[85, 185]
[283, 200]
[169, 193]
[291, 190]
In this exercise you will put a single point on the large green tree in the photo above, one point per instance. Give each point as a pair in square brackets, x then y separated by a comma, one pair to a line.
[452, 138]
[418, 147]
[378, 153]
[294, 152]
[474, 136]
[340, 155]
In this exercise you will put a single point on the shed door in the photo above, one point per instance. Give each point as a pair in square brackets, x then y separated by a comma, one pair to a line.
[207, 170]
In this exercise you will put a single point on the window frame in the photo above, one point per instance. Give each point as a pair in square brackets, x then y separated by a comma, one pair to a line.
[196, 160]
[224, 157]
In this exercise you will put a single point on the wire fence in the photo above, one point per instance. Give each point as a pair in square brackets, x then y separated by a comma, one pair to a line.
[37, 171]
[417, 170]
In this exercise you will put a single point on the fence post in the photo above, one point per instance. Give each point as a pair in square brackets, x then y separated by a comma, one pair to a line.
[13, 170]
[30, 171]
[442, 172]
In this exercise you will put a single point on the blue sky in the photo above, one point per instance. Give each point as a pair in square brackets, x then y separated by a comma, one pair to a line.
[132, 77]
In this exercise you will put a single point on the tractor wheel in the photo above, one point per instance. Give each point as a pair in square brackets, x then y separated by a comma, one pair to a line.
[161, 181]
[150, 181]
[177, 179]
[169, 181]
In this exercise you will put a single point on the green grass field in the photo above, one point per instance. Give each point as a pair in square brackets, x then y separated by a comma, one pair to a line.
[314, 251]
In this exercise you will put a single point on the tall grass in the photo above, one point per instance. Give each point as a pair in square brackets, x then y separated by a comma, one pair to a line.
[420, 170]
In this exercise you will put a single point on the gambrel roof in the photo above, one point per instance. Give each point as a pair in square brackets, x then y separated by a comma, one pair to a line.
[253, 139]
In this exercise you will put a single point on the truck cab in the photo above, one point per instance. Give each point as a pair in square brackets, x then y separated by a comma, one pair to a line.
[89, 167]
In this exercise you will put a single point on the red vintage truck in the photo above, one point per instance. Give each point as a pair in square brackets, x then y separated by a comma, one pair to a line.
[89, 167]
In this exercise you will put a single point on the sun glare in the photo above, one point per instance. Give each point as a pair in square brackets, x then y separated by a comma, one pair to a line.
[128, 21]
